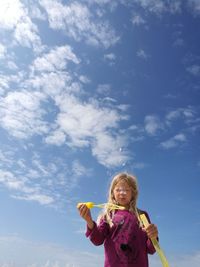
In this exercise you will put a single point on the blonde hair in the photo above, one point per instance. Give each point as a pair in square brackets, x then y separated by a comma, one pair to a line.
[132, 182]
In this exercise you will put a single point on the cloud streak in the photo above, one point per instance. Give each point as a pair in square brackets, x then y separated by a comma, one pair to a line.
[174, 141]
[21, 115]
[14, 18]
[78, 22]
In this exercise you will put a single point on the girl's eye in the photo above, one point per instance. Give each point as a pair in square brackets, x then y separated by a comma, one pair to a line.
[118, 190]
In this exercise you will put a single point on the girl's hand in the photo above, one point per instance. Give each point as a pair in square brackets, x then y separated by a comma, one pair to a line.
[86, 215]
[152, 231]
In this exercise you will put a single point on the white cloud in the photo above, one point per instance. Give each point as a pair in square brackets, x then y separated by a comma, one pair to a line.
[2, 51]
[89, 125]
[36, 13]
[137, 20]
[78, 169]
[110, 58]
[81, 120]
[74, 123]
[170, 96]
[30, 179]
[84, 79]
[6, 80]
[56, 138]
[76, 20]
[56, 59]
[10, 13]
[10, 181]
[186, 114]
[52, 83]
[139, 165]
[175, 6]
[194, 5]
[152, 124]
[107, 149]
[26, 34]
[174, 141]
[6, 58]
[104, 89]
[24, 191]
[142, 54]
[179, 42]
[14, 17]
[4, 159]
[4, 83]
[174, 114]
[42, 199]
[180, 137]
[21, 114]
[11, 65]
[34, 178]
[112, 3]
[156, 6]
[194, 70]
[159, 6]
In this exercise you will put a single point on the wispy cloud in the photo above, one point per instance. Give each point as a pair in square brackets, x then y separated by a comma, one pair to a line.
[21, 115]
[178, 35]
[110, 58]
[56, 59]
[74, 122]
[142, 54]
[32, 179]
[174, 141]
[182, 120]
[137, 20]
[84, 79]
[186, 114]
[158, 7]
[14, 17]
[194, 70]
[18, 184]
[11, 13]
[104, 89]
[90, 125]
[194, 5]
[76, 20]
[2, 51]
[152, 124]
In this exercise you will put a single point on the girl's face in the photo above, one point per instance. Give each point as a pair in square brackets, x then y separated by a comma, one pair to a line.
[122, 193]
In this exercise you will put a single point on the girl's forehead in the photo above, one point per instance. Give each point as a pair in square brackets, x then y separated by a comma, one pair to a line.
[122, 184]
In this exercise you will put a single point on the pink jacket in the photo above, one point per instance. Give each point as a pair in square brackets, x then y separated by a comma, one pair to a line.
[125, 243]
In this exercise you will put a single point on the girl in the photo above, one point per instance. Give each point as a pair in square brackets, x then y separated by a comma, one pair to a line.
[126, 243]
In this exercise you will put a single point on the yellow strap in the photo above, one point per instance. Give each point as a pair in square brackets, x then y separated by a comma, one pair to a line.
[155, 243]
[91, 205]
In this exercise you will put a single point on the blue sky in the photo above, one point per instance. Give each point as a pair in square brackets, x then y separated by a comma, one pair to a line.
[87, 89]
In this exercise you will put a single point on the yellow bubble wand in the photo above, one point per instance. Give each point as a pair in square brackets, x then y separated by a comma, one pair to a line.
[155, 243]
[111, 206]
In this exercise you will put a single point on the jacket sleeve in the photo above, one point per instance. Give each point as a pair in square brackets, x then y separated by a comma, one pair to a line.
[149, 245]
[98, 234]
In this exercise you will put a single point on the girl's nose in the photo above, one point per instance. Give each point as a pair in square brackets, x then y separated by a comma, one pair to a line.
[122, 192]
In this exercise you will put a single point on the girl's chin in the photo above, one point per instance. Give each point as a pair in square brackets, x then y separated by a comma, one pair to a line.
[123, 203]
